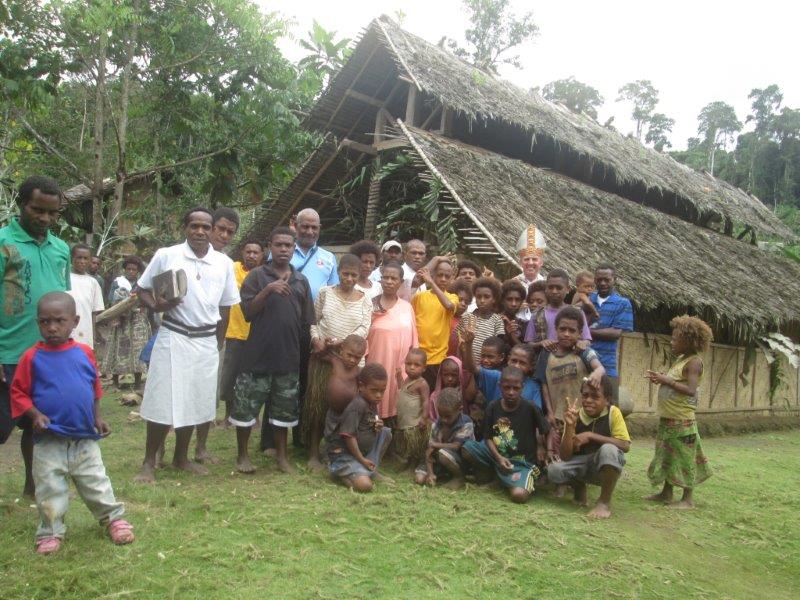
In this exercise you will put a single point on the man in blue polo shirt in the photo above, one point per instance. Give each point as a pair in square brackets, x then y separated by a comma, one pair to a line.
[616, 317]
[319, 267]
[33, 262]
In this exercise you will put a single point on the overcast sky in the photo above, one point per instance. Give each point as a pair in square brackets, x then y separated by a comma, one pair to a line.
[694, 52]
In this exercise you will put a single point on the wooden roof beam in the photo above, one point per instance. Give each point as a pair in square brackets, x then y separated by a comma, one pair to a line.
[364, 98]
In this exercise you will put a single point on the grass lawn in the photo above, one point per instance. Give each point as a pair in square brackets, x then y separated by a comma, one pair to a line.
[272, 535]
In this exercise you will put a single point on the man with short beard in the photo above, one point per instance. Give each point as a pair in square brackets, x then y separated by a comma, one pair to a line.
[414, 260]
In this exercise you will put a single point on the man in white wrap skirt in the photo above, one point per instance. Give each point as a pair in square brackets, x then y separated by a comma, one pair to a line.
[182, 380]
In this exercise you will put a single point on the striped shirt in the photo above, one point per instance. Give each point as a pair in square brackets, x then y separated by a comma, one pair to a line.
[338, 318]
[484, 329]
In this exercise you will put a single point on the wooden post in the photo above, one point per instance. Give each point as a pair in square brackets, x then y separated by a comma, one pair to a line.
[380, 127]
[446, 124]
[411, 106]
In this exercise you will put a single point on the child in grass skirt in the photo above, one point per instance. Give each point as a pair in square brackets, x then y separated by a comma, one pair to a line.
[413, 424]
[679, 459]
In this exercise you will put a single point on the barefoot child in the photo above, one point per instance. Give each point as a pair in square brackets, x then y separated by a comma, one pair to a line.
[276, 300]
[584, 286]
[356, 437]
[411, 433]
[341, 310]
[513, 441]
[57, 386]
[593, 446]
[679, 459]
[448, 434]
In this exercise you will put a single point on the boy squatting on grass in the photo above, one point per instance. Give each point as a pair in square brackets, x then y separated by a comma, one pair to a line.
[514, 439]
[593, 446]
[57, 386]
[356, 437]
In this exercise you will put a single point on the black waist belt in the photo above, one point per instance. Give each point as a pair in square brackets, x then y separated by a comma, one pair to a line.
[173, 324]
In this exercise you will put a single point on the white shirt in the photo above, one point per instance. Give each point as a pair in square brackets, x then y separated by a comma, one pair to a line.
[525, 312]
[372, 292]
[88, 299]
[211, 282]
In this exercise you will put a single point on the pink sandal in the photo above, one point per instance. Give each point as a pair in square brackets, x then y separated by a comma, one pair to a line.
[120, 532]
[48, 545]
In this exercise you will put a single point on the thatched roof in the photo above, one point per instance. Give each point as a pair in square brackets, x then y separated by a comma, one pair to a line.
[597, 155]
[663, 262]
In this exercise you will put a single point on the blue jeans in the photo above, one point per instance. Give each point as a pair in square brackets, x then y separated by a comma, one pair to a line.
[55, 459]
[345, 464]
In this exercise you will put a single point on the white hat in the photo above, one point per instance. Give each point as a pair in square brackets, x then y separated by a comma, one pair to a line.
[531, 241]
[391, 244]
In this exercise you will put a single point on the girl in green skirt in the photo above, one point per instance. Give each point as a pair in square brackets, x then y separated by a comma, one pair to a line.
[679, 459]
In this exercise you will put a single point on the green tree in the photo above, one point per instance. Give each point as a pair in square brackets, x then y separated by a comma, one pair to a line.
[717, 123]
[658, 126]
[326, 54]
[575, 95]
[644, 98]
[764, 103]
[494, 32]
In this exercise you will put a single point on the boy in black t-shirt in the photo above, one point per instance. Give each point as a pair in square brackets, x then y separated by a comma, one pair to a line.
[513, 438]
[356, 437]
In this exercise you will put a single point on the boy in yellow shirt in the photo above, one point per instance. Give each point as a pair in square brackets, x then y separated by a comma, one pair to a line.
[434, 309]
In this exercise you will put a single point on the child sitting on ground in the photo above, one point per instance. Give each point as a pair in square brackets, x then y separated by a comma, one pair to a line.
[512, 297]
[584, 285]
[452, 375]
[513, 441]
[411, 433]
[484, 320]
[561, 372]
[593, 446]
[679, 459]
[57, 386]
[463, 289]
[448, 434]
[356, 437]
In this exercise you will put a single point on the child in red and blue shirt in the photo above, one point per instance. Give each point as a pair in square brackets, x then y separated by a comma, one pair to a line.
[56, 385]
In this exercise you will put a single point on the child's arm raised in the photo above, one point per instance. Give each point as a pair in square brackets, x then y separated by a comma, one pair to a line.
[568, 439]
[448, 305]
[467, 337]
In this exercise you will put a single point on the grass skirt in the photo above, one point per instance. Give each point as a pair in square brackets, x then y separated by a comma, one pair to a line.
[411, 443]
[315, 403]
[679, 458]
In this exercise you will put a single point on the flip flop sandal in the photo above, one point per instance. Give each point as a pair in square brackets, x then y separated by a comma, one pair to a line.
[120, 532]
[48, 545]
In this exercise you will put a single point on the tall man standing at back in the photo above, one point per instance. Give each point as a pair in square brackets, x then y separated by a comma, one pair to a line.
[181, 386]
[319, 267]
[616, 317]
[33, 262]
[224, 225]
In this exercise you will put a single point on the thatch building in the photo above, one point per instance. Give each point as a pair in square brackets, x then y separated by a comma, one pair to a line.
[499, 157]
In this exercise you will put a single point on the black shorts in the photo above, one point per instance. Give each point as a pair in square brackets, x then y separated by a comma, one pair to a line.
[230, 368]
[6, 422]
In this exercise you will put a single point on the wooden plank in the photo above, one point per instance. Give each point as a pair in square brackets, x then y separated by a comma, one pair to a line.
[380, 128]
[363, 98]
[411, 106]
[431, 117]
[446, 123]
[389, 144]
[359, 147]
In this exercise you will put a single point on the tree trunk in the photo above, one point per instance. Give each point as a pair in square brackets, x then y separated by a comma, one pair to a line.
[99, 122]
[122, 125]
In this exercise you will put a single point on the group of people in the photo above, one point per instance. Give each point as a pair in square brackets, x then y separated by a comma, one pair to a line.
[455, 373]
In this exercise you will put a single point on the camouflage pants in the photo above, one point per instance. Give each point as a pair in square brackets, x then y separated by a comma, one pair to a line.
[279, 391]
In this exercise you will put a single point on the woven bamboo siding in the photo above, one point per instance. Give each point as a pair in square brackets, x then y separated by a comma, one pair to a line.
[722, 392]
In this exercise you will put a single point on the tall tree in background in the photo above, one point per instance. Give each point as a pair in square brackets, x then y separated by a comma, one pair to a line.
[326, 54]
[718, 124]
[765, 104]
[575, 95]
[644, 97]
[658, 126]
[494, 32]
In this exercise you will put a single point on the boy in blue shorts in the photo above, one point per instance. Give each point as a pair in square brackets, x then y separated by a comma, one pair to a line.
[356, 437]
[57, 387]
[513, 441]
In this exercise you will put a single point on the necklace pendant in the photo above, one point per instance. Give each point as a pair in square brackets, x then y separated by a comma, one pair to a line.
[198, 277]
